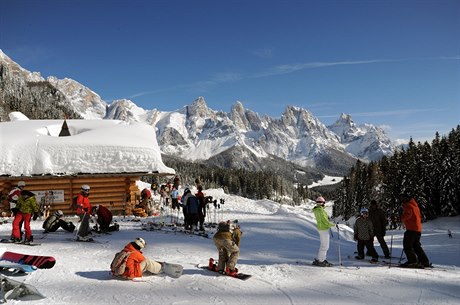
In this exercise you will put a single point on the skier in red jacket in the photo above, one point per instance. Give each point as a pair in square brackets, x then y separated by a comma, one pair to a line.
[412, 220]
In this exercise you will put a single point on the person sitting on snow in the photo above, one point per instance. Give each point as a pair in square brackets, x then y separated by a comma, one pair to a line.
[104, 219]
[137, 264]
[55, 221]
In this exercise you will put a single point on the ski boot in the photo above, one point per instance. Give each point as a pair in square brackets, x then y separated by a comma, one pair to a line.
[211, 265]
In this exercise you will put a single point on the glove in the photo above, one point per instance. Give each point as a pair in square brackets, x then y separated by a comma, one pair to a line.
[35, 216]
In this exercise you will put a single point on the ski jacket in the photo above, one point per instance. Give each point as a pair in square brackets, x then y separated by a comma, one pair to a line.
[83, 204]
[133, 263]
[379, 220]
[322, 219]
[363, 229]
[202, 202]
[13, 197]
[191, 204]
[233, 233]
[411, 216]
[27, 206]
[174, 193]
[104, 216]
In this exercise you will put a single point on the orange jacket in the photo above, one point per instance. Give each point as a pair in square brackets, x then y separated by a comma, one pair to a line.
[83, 204]
[411, 216]
[133, 263]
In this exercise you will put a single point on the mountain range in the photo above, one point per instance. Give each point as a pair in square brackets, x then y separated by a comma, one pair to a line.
[297, 141]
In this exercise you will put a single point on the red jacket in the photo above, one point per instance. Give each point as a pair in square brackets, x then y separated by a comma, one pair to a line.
[104, 216]
[411, 216]
[83, 204]
[133, 263]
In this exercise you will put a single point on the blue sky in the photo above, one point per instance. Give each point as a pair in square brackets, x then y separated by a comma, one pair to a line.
[390, 63]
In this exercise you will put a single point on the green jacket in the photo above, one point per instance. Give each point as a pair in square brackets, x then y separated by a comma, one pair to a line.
[322, 220]
[27, 206]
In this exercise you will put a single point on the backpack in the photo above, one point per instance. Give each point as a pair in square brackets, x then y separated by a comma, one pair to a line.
[74, 205]
[118, 265]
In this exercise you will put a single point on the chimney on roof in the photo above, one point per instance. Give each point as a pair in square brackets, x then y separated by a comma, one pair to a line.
[64, 130]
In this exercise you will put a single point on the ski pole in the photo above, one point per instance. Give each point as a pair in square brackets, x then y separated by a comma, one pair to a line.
[400, 258]
[338, 244]
[391, 249]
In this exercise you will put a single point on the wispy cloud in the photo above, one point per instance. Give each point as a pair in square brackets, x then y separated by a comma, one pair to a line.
[286, 69]
[263, 53]
[400, 112]
[229, 77]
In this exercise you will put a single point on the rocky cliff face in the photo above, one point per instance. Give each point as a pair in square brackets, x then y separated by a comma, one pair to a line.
[240, 138]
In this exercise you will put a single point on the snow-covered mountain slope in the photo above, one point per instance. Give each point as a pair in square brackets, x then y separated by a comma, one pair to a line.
[366, 141]
[82, 99]
[196, 132]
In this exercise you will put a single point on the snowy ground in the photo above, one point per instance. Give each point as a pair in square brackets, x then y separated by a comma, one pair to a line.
[278, 246]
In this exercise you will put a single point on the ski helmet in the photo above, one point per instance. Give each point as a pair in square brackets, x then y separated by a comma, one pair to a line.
[21, 183]
[58, 213]
[140, 242]
[320, 199]
[364, 211]
[85, 187]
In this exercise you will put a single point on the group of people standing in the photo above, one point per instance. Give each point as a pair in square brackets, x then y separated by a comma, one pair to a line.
[372, 223]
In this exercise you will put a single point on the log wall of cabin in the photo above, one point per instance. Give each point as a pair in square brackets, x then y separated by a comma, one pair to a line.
[118, 194]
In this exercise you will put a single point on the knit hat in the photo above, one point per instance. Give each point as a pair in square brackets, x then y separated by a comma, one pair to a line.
[139, 242]
[320, 199]
[21, 184]
[364, 211]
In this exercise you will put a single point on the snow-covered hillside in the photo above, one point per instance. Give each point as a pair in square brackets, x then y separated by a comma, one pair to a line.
[278, 246]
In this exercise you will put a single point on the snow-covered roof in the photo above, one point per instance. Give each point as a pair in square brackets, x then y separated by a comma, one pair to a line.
[33, 147]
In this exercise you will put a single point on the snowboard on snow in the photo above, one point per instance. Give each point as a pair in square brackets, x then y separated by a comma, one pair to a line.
[39, 261]
[172, 270]
[9, 241]
[11, 289]
[239, 275]
[8, 267]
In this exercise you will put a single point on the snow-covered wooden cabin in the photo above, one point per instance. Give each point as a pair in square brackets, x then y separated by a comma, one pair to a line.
[61, 155]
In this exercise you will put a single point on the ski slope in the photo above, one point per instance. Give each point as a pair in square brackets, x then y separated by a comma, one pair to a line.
[278, 246]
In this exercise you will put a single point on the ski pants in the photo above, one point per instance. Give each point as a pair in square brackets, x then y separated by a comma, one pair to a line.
[383, 244]
[84, 225]
[151, 266]
[228, 253]
[18, 219]
[413, 248]
[324, 245]
[369, 244]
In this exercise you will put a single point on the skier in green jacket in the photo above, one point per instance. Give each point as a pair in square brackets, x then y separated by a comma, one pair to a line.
[323, 226]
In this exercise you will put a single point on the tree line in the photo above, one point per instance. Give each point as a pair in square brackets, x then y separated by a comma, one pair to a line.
[430, 173]
[240, 181]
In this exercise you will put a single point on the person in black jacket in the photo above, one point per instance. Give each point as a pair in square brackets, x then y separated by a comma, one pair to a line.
[379, 222]
[55, 221]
